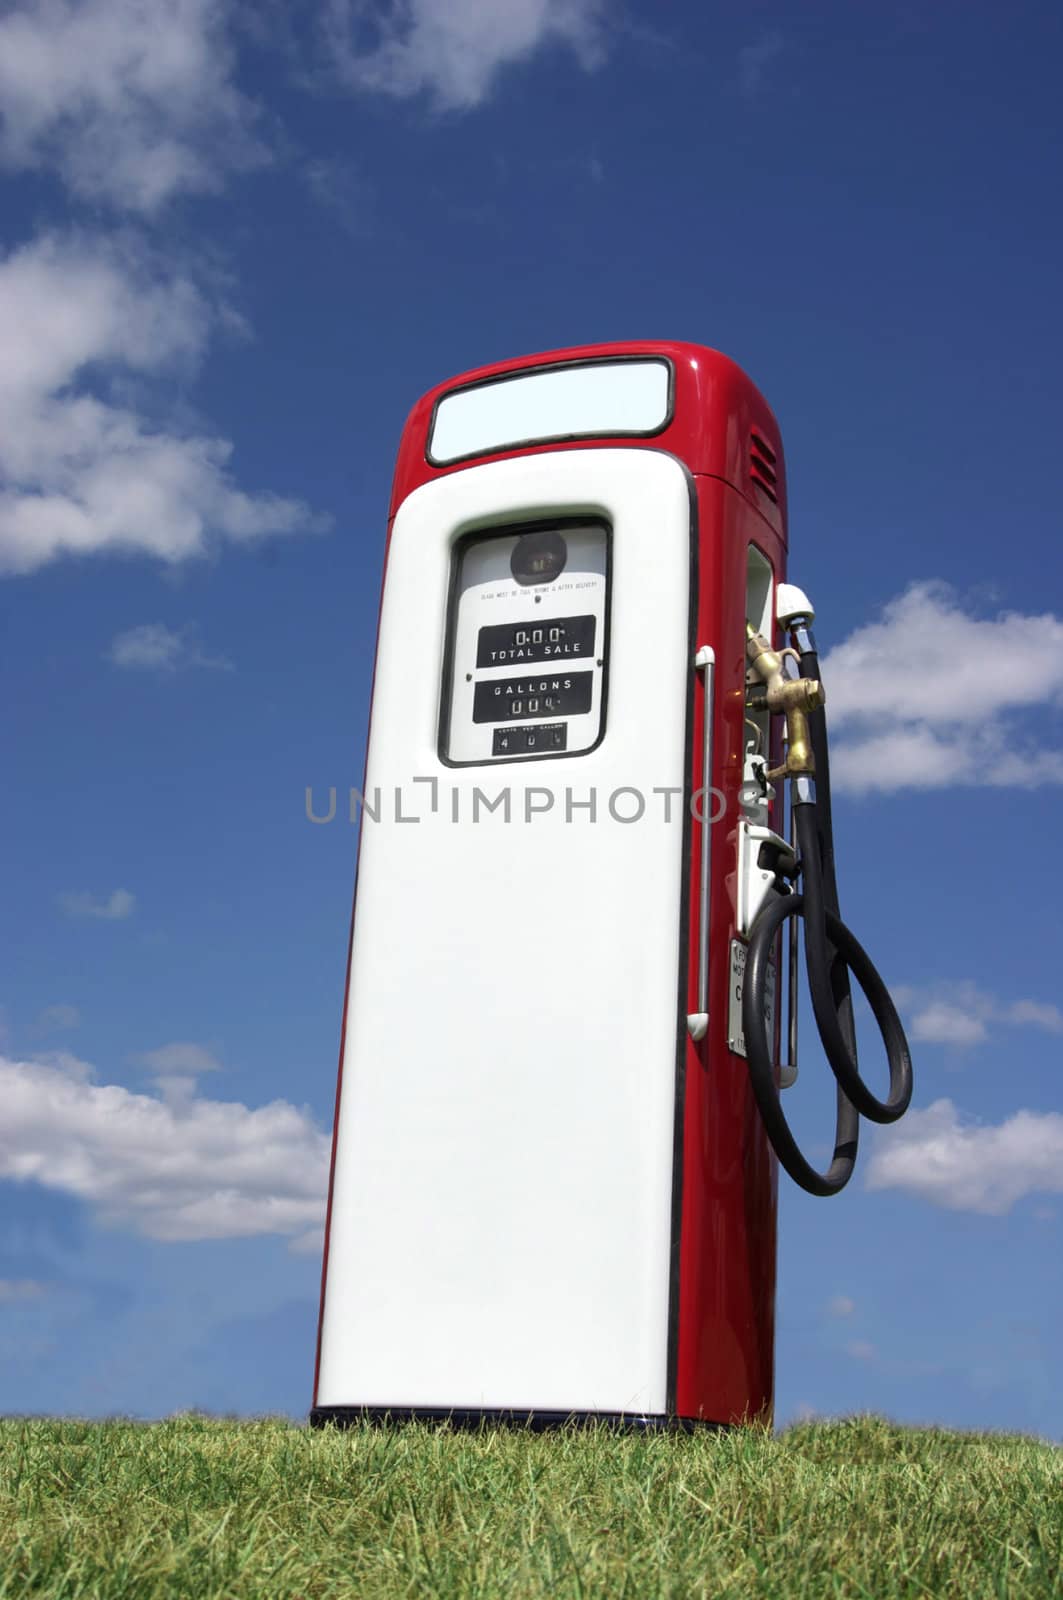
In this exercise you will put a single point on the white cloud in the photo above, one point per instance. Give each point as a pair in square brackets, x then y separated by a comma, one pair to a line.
[341, 189]
[181, 1056]
[941, 1023]
[130, 101]
[1035, 1014]
[927, 696]
[84, 474]
[58, 1016]
[960, 1013]
[841, 1306]
[966, 1167]
[119, 905]
[12, 1289]
[860, 1350]
[198, 1169]
[311, 1243]
[454, 49]
[175, 1068]
[755, 59]
[153, 647]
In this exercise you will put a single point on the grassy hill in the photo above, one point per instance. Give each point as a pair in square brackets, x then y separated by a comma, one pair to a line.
[202, 1508]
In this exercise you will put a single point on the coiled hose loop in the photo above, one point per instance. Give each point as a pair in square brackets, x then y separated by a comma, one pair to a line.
[831, 954]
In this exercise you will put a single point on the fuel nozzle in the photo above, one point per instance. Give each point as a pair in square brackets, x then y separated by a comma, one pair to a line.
[794, 697]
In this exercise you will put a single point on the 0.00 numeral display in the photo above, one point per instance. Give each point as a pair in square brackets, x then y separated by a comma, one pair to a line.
[551, 639]
[532, 695]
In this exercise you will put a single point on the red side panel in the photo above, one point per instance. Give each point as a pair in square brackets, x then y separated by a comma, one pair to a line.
[724, 1369]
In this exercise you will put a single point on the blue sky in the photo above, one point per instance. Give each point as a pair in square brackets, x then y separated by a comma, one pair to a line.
[235, 248]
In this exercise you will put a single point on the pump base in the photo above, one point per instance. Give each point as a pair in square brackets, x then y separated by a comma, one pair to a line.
[536, 1421]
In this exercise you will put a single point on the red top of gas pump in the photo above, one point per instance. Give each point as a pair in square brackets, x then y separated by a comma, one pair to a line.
[718, 423]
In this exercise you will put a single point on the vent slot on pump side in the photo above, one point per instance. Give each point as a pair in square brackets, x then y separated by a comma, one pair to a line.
[762, 462]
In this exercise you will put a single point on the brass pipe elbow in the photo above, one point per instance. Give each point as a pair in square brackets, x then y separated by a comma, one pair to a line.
[799, 757]
[793, 697]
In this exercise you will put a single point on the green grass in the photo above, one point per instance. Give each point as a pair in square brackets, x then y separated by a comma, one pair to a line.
[203, 1508]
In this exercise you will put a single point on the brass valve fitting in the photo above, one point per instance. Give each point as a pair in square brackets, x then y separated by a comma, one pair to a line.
[794, 697]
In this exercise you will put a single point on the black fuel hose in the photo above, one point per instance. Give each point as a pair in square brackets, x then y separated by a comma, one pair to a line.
[759, 1060]
[831, 954]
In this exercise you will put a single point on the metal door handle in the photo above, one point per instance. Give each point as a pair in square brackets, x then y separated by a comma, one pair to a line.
[698, 1021]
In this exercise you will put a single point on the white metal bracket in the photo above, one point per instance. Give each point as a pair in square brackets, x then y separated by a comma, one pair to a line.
[754, 881]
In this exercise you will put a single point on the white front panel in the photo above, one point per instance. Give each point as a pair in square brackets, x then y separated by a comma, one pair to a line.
[501, 1217]
[563, 402]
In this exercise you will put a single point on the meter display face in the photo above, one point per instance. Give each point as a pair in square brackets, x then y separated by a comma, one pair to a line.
[527, 643]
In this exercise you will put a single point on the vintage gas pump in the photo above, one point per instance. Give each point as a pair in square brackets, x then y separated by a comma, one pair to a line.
[553, 1187]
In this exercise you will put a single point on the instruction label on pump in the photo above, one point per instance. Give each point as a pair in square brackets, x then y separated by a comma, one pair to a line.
[736, 1039]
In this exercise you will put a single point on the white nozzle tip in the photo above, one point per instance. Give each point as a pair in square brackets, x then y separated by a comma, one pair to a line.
[791, 602]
